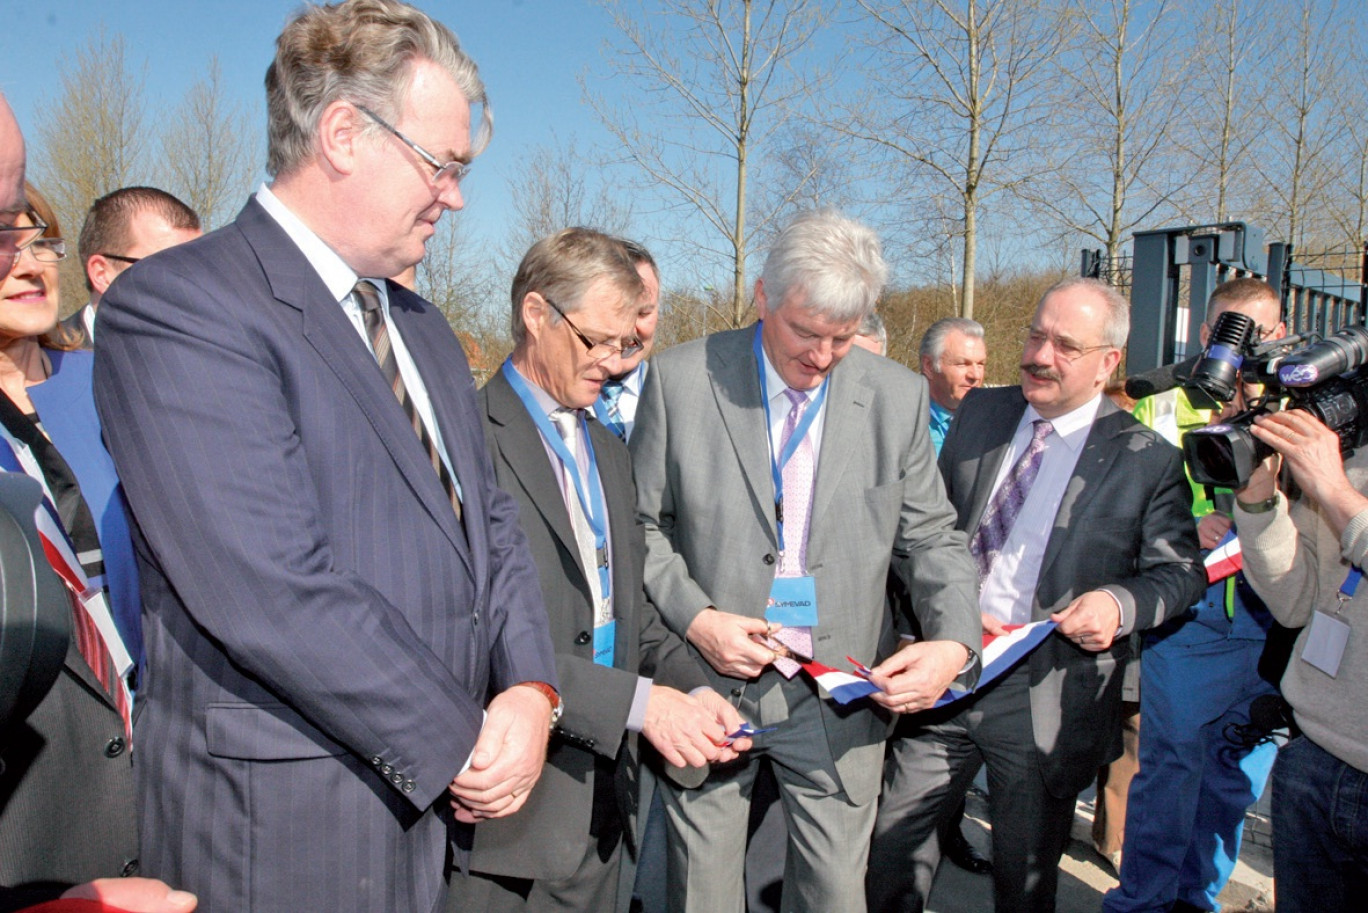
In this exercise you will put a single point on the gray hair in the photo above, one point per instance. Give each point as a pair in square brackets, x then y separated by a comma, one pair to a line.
[1116, 321]
[836, 261]
[933, 340]
[362, 51]
[873, 328]
[561, 267]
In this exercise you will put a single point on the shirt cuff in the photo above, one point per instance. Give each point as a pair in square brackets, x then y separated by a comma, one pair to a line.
[636, 716]
[1120, 611]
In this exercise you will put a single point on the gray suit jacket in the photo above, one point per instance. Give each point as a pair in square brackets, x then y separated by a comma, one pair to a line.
[705, 491]
[1124, 525]
[550, 835]
[322, 633]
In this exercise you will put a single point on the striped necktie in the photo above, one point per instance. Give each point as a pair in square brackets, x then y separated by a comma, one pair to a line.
[612, 401]
[374, 318]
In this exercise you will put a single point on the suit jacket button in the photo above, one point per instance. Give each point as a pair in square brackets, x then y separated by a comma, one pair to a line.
[115, 747]
[736, 692]
[386, 770]
[376, 762]
[396, 779]
[130, 868]
[769, 558]
[408, 786]
[582, 638]
[588, 743]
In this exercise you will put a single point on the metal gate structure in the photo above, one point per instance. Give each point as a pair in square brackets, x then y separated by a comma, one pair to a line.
[1174, 270]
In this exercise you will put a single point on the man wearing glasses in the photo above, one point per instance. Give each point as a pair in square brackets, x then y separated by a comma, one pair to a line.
[348, 656]
[120, 229]
[576, 297]
[12, 204]
[1077, 514]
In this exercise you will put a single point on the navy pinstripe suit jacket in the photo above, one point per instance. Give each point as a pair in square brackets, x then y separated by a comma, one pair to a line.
[321, 633]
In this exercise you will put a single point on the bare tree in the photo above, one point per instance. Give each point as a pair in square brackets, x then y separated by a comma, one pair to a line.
[91, 138]
[953, 97]
[1227, 78]
[210, 152]
[1116, 162]
[550, 191]
[709, 83]
[1303, 120]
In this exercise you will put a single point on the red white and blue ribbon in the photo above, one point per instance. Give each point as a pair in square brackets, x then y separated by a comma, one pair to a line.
[1225, 559]
[1000, 653]
[95, 619]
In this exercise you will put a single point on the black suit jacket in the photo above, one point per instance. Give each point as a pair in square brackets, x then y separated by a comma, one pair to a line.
[1124, 525]
[549, 836]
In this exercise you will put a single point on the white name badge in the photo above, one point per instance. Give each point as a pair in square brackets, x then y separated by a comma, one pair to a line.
[1325, 643]
[793, 602]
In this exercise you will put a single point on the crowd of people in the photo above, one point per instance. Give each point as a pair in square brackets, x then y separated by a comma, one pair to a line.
[340, 632]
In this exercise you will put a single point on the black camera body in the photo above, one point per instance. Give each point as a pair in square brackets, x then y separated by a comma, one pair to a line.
[1325, 377]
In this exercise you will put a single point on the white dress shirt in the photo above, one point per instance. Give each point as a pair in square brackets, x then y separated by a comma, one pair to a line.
[340, 279]
[1008, 592]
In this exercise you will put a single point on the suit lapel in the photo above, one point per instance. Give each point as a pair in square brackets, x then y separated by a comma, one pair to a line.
[843, 429]
[294, 282]
[520, 444]
[1094, 462]
[736, 388]
[997, 440]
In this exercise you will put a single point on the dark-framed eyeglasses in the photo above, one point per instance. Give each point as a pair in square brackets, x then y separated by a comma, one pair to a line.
[597, 351]
[121, 258]
[443, 172]
[15, 238]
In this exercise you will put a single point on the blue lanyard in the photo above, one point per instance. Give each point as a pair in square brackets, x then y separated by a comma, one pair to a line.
[1351, 582]
[800, 432]
[593, 504]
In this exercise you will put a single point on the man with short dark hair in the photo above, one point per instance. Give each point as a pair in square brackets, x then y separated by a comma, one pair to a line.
[781, 472]
[120, 229]
[347, 645]
[1199, 676]
[1079, 515]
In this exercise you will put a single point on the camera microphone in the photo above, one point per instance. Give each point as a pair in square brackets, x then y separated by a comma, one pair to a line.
[1161, 379]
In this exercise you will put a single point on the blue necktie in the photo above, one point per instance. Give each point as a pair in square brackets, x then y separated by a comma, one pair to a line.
[611, 394]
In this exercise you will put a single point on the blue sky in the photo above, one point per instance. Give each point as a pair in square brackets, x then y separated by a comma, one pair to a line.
[531, 53]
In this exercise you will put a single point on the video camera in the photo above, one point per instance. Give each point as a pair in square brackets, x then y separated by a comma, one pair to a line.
[1325, 377]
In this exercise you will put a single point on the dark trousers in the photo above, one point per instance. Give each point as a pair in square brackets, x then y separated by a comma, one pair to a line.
[929, 769]
[1320, 830]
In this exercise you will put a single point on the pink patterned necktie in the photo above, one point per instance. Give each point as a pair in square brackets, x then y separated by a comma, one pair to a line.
[1001, 514]
[798, 478]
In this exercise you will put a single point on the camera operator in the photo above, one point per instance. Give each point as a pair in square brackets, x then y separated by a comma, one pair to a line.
[1302, 556]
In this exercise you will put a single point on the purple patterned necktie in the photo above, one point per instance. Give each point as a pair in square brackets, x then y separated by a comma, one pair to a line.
[997, 521]
[798, 478]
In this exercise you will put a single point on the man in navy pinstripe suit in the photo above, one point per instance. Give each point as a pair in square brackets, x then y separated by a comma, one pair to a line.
[348, 658]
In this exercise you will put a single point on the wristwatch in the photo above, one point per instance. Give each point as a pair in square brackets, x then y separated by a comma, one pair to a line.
[552, 695]
[1259, 507]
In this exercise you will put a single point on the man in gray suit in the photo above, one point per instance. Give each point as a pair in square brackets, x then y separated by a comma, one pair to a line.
[576, 296]
[1079, 514]
[741, 510]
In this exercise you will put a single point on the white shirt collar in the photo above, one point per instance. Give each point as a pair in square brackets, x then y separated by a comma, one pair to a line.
[332, 269]
[1072, 427]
